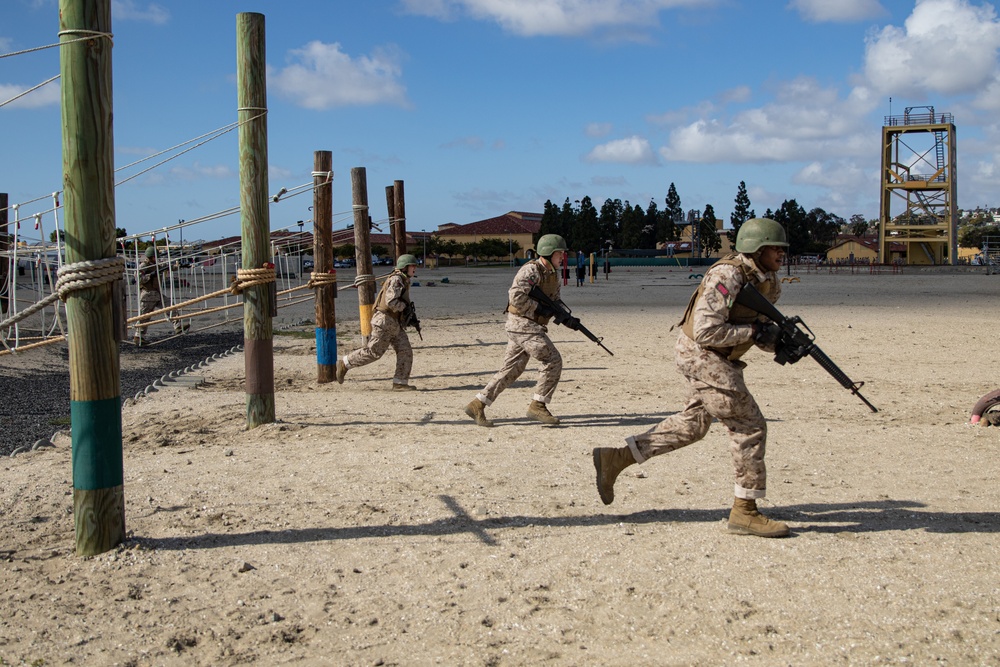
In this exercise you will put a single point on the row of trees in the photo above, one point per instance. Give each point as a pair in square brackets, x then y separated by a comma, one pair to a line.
[624, 225]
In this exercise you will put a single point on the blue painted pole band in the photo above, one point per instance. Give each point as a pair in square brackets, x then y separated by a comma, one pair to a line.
[326, 346]
[97, 443]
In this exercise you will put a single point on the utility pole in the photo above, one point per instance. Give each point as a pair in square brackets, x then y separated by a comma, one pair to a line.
[88, 163]
[324, 275]
[258, 300]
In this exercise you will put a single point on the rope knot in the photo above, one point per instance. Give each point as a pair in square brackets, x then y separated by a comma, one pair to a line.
[249, 277]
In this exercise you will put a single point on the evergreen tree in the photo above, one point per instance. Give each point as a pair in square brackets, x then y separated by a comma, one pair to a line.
[673, 215]
[741, 211]
[710, 241]
[650, 226]
[550, 219]
[823, 229]
[587, 235]
[609, 223]
[793, 218]
[567, 221]
[632, 220]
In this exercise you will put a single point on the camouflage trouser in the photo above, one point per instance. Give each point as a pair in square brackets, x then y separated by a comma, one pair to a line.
[386, 332]
[148, 302]
[520, 348]
[731, 404]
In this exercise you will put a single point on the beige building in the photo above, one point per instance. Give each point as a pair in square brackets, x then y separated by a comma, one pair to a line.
[682, 248]
[514, 227]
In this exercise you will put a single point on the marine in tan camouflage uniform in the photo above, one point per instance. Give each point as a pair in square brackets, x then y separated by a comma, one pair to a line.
[388, 327]
[527, 336]
[151, 298]
[715, 333]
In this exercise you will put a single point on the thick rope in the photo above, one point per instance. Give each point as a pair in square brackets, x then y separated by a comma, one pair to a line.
[72, 278]
[321, 279]
[249, 277]
[363, 278]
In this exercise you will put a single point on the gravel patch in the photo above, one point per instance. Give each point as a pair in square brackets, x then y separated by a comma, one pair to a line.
[34, 385]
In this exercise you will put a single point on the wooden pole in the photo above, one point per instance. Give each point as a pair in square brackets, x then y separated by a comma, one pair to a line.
[399, 208]
[326, 313]
[255, 223]
[363, 249]
[88, 177]
[4, 247]
[390, 205]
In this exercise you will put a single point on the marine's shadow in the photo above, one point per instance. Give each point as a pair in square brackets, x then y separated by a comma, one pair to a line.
[874, 516]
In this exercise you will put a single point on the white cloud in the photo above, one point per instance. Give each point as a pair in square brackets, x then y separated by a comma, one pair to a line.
[841, 11]
[47, 95]
[597, 130]
[322, 76]
[737, 94]
[128, 10]
[805, 120]
[472, 143]
[530, 18]
[199, 171]
[631, 150]
[944, 47]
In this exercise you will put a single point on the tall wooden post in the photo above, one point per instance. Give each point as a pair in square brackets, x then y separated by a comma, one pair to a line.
[4, 247]
[326, 291]
[255, 223]
[88, 178]
[363, 249]
[390, 205]
[399, 208]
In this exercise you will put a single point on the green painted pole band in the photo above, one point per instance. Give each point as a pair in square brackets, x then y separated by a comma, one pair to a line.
[97, 440]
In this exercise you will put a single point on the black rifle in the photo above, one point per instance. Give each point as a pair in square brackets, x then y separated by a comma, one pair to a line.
[796, 340]
[561, 313]
[409, 319]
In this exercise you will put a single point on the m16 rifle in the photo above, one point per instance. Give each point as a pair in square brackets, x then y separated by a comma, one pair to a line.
[561, 313]
[796, 340]
[409, 319]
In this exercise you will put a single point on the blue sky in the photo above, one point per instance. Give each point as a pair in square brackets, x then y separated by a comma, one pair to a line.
[486, 106]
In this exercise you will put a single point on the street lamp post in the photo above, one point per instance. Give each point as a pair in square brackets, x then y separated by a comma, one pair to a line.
[300, 223]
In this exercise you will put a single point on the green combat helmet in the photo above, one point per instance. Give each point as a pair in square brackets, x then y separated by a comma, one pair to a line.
[150, 252]
[405, 261]
[758, 232]
[549, 243]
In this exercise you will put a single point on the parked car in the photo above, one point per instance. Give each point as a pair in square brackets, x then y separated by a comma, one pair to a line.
[308, 265]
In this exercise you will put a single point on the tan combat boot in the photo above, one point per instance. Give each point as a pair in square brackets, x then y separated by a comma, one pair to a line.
[396, 386]
[477, 410]
[540, 412]
[341, 371]
[744, 519]
[609, 461]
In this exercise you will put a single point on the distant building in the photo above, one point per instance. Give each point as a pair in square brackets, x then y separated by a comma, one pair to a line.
[683, 247]
[862, 250]
[514, 227]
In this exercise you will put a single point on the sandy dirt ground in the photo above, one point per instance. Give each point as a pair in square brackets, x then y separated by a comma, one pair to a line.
[371, 527]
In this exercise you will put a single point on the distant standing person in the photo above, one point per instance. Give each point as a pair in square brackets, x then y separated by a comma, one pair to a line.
[150, 296]
[581, 268]
[715, 332]
[388, 322]
[527, 336]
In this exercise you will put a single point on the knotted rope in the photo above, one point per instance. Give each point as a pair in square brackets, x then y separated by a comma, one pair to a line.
[72, 278]
[249, 277]
[321, 279]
